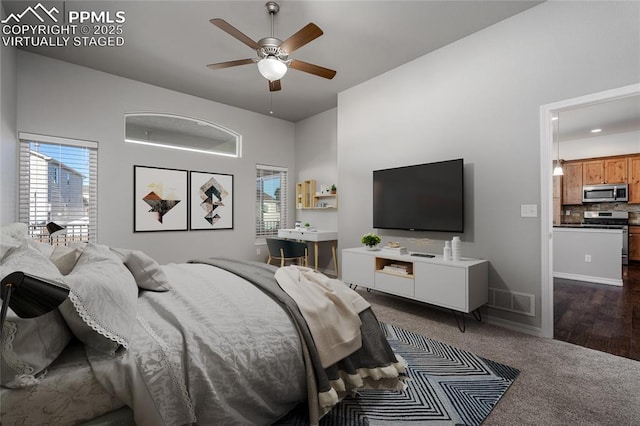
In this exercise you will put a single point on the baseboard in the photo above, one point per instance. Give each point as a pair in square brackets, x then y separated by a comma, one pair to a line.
[515, 326]
[588, 278]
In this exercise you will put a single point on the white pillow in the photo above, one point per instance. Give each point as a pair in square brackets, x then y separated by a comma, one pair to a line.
[65, 258]
[30, 344]
[146, 271]
[101, 308]
[45, 248]
[12, 236]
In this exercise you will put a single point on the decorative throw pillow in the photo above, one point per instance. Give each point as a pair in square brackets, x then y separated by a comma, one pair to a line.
[12, 236]
[101, 308]
[44, 248]
[65, 258]
[146, 271]
[29, 345]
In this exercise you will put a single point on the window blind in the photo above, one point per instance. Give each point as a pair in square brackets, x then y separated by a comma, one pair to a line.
[58, 183]
[271, 200]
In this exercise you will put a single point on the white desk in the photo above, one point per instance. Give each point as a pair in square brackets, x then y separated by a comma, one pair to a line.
[315, 237]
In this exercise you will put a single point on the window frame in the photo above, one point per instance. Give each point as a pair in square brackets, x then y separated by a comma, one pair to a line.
[27, 207]
[263, 171]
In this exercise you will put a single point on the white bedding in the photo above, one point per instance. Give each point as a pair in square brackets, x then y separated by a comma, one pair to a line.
[243, 364]
[68, 394]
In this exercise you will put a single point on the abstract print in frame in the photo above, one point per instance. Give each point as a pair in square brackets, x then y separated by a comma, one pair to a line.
[160, 199]
[211, 201]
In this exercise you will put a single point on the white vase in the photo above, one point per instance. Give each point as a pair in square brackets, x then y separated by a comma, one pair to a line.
[371, 247]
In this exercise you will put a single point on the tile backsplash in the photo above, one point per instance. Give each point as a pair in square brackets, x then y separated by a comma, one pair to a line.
[576, 212]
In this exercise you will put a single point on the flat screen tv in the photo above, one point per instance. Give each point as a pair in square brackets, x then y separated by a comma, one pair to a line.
[422, 197]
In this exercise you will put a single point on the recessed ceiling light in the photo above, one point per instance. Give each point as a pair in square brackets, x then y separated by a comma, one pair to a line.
[596, 130]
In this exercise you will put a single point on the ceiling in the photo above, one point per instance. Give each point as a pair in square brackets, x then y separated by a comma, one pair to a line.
[169, 44]
[614, 116]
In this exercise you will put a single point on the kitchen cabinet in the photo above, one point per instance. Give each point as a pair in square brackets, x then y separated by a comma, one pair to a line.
[634, 242]
[572, 182]
[634, 179]
[605, 170]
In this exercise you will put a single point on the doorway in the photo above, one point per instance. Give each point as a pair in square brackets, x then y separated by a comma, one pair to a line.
[547, 112]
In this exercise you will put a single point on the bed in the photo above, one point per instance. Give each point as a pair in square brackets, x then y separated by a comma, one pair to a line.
[212, 341]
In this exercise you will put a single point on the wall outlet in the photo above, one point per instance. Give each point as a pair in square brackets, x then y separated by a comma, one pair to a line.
[587, 258]
[258, 251]
[567, 213]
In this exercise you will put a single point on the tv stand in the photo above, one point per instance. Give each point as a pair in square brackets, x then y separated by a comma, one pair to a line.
[462, 285]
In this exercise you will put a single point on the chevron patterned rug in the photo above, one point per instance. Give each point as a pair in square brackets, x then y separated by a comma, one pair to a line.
[446, 386]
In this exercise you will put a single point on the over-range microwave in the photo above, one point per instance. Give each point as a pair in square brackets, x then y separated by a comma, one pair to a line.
[605, 193]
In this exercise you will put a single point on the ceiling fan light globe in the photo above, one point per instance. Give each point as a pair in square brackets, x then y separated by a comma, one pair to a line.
[271, 68]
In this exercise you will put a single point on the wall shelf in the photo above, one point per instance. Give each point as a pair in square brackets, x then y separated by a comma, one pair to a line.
[308, 199]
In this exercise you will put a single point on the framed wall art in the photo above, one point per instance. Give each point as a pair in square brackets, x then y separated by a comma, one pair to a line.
[160, 199]
[211, 200]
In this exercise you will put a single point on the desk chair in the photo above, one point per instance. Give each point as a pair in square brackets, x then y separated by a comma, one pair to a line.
[287, 250]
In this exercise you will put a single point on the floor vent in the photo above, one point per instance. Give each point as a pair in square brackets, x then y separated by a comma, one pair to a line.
[512, 301]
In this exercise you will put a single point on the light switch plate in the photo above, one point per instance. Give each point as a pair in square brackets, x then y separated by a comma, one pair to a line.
[528, 210]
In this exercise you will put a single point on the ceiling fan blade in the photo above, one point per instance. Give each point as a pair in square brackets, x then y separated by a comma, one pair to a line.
[312, 69]
[274, 86]
[234, 32]
[307, 34]
[228, 64]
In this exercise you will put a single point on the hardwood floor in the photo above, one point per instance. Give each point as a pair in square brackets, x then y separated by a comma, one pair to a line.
[598, 316]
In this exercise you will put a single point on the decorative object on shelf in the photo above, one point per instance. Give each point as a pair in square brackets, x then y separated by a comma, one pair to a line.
[394, 247]
[308, 198]
[370, 241]
[307, 225]
[456, 248]
[446, 255]
[333, 189]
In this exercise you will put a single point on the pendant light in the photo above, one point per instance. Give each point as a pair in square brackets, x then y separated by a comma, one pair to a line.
[557, 170]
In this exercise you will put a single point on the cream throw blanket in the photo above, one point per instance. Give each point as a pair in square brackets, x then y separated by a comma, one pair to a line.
[330, 308]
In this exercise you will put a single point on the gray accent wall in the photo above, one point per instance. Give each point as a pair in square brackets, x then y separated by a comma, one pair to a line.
[479, 99]
[60, 99]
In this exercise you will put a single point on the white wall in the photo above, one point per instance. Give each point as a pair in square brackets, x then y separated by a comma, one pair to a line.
[599, 146]
[316, 152]
[8, 147]
[479, 99]
[61, 99]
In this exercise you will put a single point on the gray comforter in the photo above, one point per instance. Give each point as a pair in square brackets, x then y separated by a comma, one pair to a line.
[374, 365]
[216, 349]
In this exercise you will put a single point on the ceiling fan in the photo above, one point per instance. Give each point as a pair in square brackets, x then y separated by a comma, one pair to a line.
[273, 54]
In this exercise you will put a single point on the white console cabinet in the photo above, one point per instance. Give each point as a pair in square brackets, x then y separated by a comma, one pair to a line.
[458, 285]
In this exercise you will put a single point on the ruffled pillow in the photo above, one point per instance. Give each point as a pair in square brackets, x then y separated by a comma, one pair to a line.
[146, 271]
[29, 345]
[101, 308]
